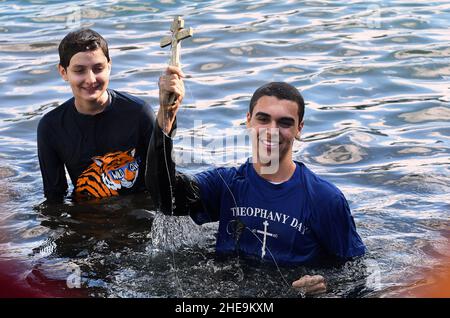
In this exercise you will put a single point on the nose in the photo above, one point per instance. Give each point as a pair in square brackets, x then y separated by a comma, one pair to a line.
[90, 77]
[273, 124]
[271, 130]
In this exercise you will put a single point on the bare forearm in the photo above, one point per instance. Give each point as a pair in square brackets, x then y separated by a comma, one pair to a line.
[165, 120]
[170, 84]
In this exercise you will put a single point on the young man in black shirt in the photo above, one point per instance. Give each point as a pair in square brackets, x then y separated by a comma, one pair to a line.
[99, 135]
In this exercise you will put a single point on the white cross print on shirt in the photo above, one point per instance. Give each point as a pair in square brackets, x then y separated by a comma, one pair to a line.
[265, 233]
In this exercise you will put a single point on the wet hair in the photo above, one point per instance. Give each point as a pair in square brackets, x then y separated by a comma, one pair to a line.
[81, 40]
[280, 90]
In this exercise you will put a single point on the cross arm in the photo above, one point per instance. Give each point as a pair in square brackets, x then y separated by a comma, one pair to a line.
[165, 41]
[185, 33]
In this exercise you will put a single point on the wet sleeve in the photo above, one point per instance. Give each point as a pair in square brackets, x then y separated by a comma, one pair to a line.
[335, 228]
[51, 165]
[172, 192]
[147, 123]
[210, 184]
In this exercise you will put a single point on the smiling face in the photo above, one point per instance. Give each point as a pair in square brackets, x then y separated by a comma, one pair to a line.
[275, 123]
[88, 75]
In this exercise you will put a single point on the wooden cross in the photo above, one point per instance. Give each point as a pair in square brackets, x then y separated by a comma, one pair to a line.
[178, 34]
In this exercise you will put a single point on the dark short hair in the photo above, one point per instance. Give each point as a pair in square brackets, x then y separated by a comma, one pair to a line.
[280, 90]
[81, 40]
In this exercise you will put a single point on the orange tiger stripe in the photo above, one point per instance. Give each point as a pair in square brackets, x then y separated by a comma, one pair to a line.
[87, 191]
[90, 182]
[98, 187]
[94, 175]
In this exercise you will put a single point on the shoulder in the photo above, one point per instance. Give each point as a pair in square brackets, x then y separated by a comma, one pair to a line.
[327, 203]
[227, 174]
[319, 189]
[218, 177]
[128, 102]
[54, 117]
[128, 99]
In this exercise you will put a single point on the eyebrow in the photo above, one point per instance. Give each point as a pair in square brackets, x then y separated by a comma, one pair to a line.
[262, 114]
[81, 65]
[284, 119]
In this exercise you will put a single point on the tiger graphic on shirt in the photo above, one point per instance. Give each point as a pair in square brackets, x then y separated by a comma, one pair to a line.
[107, 174]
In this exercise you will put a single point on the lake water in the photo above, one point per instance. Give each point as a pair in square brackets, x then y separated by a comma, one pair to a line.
[375, 78]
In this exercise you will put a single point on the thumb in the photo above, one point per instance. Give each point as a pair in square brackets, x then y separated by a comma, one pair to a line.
[301, 282]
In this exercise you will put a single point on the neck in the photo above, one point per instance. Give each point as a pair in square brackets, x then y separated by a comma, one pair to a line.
[284, 172]
[92, 107]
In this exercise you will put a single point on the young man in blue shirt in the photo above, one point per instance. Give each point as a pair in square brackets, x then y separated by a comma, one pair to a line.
[271, 207]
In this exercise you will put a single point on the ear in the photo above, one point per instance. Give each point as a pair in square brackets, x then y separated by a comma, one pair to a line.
[63, 72]
[300, 127]
[131, 152]
[98, 160]
[109, 65]
[249, 116]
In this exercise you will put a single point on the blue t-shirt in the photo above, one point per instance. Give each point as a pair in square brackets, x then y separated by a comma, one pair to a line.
[300, 221]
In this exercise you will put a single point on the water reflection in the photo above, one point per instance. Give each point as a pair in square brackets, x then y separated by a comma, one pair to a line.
[429, 114]
[341, 154]
[375, 84]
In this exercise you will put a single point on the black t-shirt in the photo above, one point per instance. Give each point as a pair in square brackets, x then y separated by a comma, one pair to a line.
[67, 138]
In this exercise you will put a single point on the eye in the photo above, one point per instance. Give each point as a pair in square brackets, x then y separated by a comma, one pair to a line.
[263, 119]
[98, 69]
[285, 125]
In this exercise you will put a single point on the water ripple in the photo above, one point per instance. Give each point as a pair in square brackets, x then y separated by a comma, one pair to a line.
[375, 78]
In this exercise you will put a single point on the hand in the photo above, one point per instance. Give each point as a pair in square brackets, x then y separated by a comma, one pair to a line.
[311, 285]
[170, 83]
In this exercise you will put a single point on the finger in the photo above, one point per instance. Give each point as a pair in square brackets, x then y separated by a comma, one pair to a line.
[164, 81]
[301, 282]
[316, 279]
[173, 107]
[174, 70]
[308, 280]
[174, 80]
[178, 88]
[171, 87]
[316, 289]
[174, 77]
